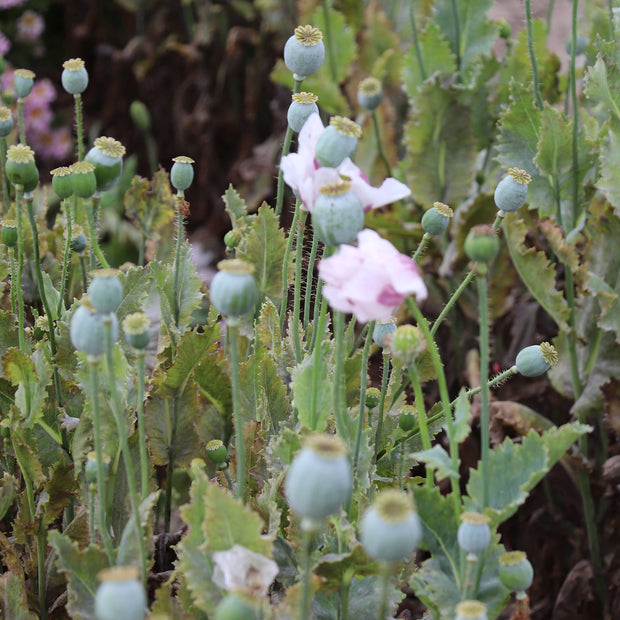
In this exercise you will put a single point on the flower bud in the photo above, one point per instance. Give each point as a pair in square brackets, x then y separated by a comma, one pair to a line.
[182, 173]
[474, 534]
[471, 610]
[381, 331]
[337, 214]
[515, 571]
[407, 343]
[232, 239]
[105, 291]
[511, 191]
[231, 607]
[83, 179]
[319, 480]
[87, 330]
[120, 595]
[234, 291]
[337, 142]
[373, 397]
[505, 29]
[436, 219]
[369, 94]
[481, 244]
[140, 116]
[216, 451]
[61, 182]
[407, 418]
[6, 122]
[79, 242]
[8, 235]
[21, 168]
[107, 156]
[304, 52]
[74, 76]
[390, 529]
[137, 330]
[302, 106]
[536, 360]
[23, 82]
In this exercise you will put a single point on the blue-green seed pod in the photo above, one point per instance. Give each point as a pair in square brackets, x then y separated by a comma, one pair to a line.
[136, 327]
[105, 290]
[231, 607]
[74, 76]
[90, 467]
[511, 191]
[337, 214]
[182, 173]
[390, 530]
[6, 122]
[61, 182]
[474, 533]
[79, 242]
[436, 219]
[216, 451]
[83, 179]
[107, 156]
[87, 330]
[481, 244]
[8, 235]
[580, 48]
[21, 167]
[302, 106]
[408, 418]
[337, 142]
[536, 360]
[234, 291]
[381, 331]
[23, 82]
[515, 571]
[369, 94]
[319, 480]
[120, 595]
[471, 610]
[304, 52]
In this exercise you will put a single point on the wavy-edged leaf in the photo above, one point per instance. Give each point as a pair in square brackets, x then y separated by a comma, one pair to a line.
[150, 203]
[235, 206]
[8, 491]
[602, 82]
[608, 182]
[136, 284]
[439, 460]
[128, 553]
[14, 597]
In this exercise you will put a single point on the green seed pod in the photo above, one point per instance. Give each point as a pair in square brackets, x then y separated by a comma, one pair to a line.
[407, 418]
[436, 219]
[369, 94]
[381, 331]
[407, 343]
[234, 291]
[536, 360]
[504, 28]
[304, 52]
[515, 571]
[216, 451]
[61, 182]
[511, 191]
[23, 82]
[337, 142]
[6, 122]
[474, 534]
[21, 167]
[232, 239]
[140, 116]
[79, 242]
[136, 327]
[231, 607]
[8, 235]
[120, 595]
[481, 244]
[74, 77]
[390, 529]
[83, 179]
[87, 330]
[319, 480]
[182, 173]
[90, 467]
[105, 291]
[302, 106]
[107, 156]
[373, 397]
[580, 48]
[471, 610]
[337, 214]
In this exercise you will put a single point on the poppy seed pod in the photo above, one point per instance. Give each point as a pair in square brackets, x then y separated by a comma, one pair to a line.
[120, 595]
[136, 327]
[369, 94]
[337, 142]
[481, 244]
[21, 167]
[304, 51]
[382, 330]
[9, 233]
[6, 122]
[536, 360]
[83, 179]
[234, 291]
[107, 156]
[74, 76]
[436, 219]
[337, 214]
[87, 329]
[302, 106]
[474, 533]
[515, 571]
[61, 182]
[511, 191]
[231, 607]
[470, 610]
[105, 291]
[182, 173]
[23, 82]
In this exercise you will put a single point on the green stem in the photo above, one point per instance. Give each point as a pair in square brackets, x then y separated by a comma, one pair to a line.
[79, 125]
[339, 386]
[92, 494]
[384, 383]
[425, 239]
[506, 374]
[144, 459]
[13, 263]
[363, 380]
[20, 120]
[575, 136]
[93, 364]
[41, 545]
[6, 196]
[379, 146]
[416, 42]
[530, 47]
[233, 339]
[468, 278]
[421, 416]
[483, 311]
[174, 424]
[286, 265]
[306, 591]
[299, 248]
[177, 258]
[84, 273]
[316, 364]
[66, 259]
[19, 192]
[329, 49]
[550, 15]
[457, 33]
[122, 435]
[384, 592]
[151, 151]
[95, 250]
[612, 25]
[309, 280]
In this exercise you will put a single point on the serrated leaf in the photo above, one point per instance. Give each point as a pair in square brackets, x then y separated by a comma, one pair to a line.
[563, 250]
[535, 271]
[53, 296]
[462, 418]
[14, 597]
[602, 81]
[149, 203]
[60, 488]
[8, 332]
[437, 57]
[439, 460]
[8, 491]
[265, 246]
[441, 153]
[235, 206]
[136, 284]
[608, 182]
[81, 568]
[128, 549]
[268, 328]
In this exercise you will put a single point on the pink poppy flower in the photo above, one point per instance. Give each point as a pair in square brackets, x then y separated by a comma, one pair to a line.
[30, 26]
[370, 280]
[302, 173]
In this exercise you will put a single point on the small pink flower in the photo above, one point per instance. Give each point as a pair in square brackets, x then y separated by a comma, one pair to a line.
[42, 92]
[37, 117]
[302, 172]
[30, 26]
[5, 45]
[9, 4]
[370, 280]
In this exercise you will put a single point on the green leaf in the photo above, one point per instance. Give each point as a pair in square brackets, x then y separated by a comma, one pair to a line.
[462, 418]
[59, 488]
[53, 296]
[436, 589]
[235, 207]
[608, 182]
[534, 268]
[441, 153]
[8, 491]
[150, 204]
[8, 332]
[332, 566]
[128, 549]
[439, 460]
[265, 246]
[81, 567]
[14, 597]
[136, 284]
[602, 81]
[517, 469]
